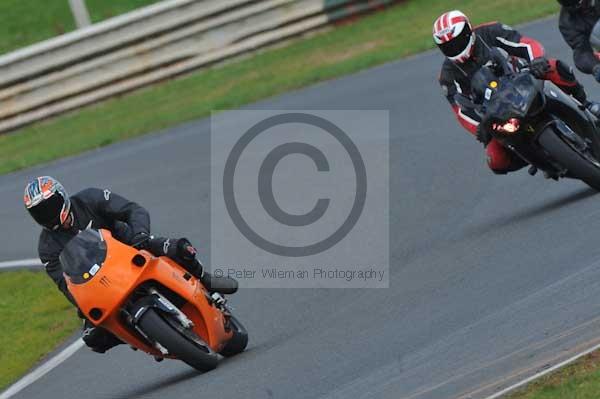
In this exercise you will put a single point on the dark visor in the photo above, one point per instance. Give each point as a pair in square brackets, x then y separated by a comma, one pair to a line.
[47, 212]
[458, 44]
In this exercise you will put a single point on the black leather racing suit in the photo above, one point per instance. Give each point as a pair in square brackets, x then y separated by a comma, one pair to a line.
[102, 209]
[576, 27]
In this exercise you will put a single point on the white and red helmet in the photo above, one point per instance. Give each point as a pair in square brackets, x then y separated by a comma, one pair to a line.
[453, 34]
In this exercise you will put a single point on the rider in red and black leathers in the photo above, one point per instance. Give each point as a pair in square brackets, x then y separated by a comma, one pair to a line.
[64, 216]
[456, 77]
[576, 23]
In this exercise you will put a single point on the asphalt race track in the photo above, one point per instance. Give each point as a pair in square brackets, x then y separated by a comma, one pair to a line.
[493, 278]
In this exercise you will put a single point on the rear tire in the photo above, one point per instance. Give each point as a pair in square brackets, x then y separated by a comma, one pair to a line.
[239, 341]
[153, 324]
[568, 157]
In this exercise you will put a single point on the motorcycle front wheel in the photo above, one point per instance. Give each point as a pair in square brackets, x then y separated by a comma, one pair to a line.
[239, 340]
[575, 162]
[184, 349]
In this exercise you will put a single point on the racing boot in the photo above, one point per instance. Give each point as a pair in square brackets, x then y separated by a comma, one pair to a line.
[578, 92]
[98, 339]
[220, 284]
[563, 76]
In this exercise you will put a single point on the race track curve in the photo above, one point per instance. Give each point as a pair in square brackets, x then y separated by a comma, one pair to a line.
[492, 277]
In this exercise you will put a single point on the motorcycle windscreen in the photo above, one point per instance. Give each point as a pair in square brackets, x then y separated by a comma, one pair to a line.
[514, 97]
[83, 256]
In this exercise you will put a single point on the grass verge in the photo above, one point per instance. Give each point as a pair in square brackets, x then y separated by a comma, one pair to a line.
[35, 316]
[25, 22]
[580, 380]
[397, 32]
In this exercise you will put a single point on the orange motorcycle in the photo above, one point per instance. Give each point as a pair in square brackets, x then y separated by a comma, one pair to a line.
[149, 302]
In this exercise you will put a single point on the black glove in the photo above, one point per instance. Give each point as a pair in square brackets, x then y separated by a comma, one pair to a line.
[540, 67]
[185, 249]
[596, 73]
[140, 240]
[483, 135]
[500, 60]
[187, 253]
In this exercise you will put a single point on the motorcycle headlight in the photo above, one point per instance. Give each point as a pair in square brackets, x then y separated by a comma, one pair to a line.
[511, 126]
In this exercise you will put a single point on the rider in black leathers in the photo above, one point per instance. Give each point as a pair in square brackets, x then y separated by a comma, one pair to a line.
[576, 23]
[63, 216]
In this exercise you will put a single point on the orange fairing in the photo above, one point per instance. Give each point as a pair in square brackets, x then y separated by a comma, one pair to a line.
[118, 277]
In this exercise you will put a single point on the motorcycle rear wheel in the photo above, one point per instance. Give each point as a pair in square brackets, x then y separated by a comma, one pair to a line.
[153, 324]
[574, 161]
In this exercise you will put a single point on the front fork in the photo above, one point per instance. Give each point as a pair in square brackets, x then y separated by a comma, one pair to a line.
[158, 301]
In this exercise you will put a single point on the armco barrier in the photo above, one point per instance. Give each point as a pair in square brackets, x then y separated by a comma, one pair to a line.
[148, 45]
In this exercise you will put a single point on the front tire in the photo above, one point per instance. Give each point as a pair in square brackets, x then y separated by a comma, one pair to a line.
[158, 329]
[239, 341]
[572, 160]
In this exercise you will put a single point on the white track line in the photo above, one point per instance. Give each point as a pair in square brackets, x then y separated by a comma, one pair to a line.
[42, 370]
[538, 375]
[20, 263]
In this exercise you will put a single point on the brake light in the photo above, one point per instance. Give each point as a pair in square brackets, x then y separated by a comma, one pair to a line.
[511, 126]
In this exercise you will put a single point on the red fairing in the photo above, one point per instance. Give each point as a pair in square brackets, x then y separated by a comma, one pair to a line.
[535, 48]
[497, 156]
[465, 121]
